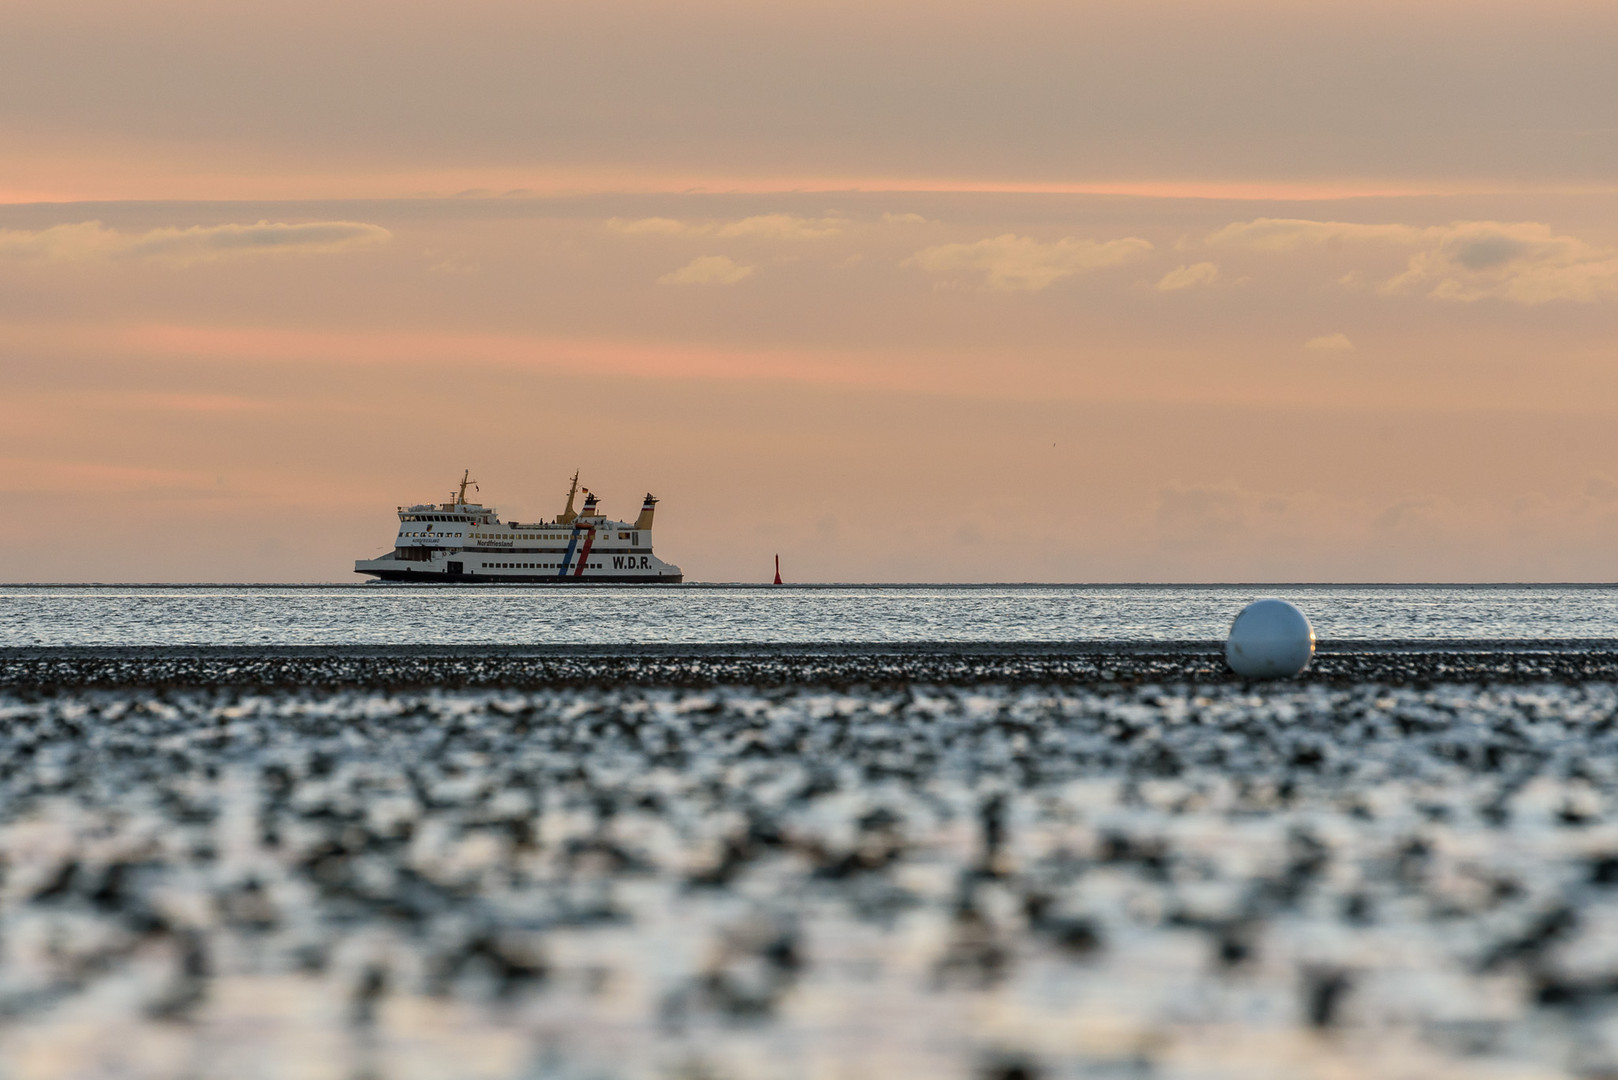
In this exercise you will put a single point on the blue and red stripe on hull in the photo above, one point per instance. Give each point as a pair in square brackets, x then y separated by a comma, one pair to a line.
[584, 556]
[589, 532]
[571, 544]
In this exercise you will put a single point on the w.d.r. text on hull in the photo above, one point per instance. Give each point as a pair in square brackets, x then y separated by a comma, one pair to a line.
[460, 541]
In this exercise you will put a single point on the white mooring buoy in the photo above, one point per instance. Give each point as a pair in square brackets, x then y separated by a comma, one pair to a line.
[1270, 639]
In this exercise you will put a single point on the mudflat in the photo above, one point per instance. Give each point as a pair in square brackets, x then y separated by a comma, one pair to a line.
[47, 669]
[996, 861]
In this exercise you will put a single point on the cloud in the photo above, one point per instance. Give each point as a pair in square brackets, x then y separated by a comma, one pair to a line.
[40, 476]
[1292, 234]
[1012, 263]
[89, 240]
[1329, 343]
[1405, 514]
[1525, 261]
[1601, 487]
[760, 226]
[784, 227]
[1197, 516]
[1186, 277]
[652, 226]
[459, 265]
[903, 219]
[707, 270]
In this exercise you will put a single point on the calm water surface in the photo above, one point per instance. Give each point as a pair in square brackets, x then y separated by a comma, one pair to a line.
[515, 615]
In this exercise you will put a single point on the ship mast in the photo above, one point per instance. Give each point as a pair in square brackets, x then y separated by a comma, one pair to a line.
[568, 515]
[466, 478]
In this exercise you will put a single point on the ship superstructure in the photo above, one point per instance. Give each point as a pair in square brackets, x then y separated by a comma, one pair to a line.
[461, 541]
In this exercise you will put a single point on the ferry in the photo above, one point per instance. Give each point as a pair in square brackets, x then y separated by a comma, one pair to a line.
[460, 541]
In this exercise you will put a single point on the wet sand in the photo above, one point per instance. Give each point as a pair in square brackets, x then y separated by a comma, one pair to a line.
[1062, 861]
[836, 665]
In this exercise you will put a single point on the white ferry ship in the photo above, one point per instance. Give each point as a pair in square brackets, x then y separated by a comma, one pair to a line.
[467, 542]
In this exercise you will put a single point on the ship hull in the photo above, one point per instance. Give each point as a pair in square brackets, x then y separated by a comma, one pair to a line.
[440, 577]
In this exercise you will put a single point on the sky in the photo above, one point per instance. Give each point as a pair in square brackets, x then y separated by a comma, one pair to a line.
[1079, 291]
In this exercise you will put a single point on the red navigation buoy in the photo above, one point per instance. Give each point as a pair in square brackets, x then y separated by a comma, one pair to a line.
[778, 569]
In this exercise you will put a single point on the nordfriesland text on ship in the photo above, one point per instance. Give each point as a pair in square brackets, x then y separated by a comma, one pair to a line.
[461, 541]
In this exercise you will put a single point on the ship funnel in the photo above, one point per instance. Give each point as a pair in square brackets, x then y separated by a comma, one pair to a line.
[589, 504]
[645, 519]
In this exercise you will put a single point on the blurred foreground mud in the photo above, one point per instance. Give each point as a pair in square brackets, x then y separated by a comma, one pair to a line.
[912, 864]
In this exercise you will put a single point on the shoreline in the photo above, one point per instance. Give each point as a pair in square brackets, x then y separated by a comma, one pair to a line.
[45, 669]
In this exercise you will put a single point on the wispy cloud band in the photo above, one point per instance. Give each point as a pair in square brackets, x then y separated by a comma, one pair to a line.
[1011, 263]
[758, 227]
[91, 240]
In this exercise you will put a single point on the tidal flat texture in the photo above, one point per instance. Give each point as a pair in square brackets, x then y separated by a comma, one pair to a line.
[1133, 866]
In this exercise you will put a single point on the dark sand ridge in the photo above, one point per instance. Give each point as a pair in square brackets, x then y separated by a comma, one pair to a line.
[1080, 663]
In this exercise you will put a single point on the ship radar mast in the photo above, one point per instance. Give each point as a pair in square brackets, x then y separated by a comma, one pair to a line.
[466, 480]
[567, 516]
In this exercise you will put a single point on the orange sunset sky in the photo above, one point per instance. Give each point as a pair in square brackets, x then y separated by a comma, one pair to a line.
[1078, 291]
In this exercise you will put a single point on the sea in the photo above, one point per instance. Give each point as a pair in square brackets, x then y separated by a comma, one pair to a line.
[379, 614]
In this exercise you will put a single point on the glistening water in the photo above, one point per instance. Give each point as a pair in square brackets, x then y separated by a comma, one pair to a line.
[246, 615]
